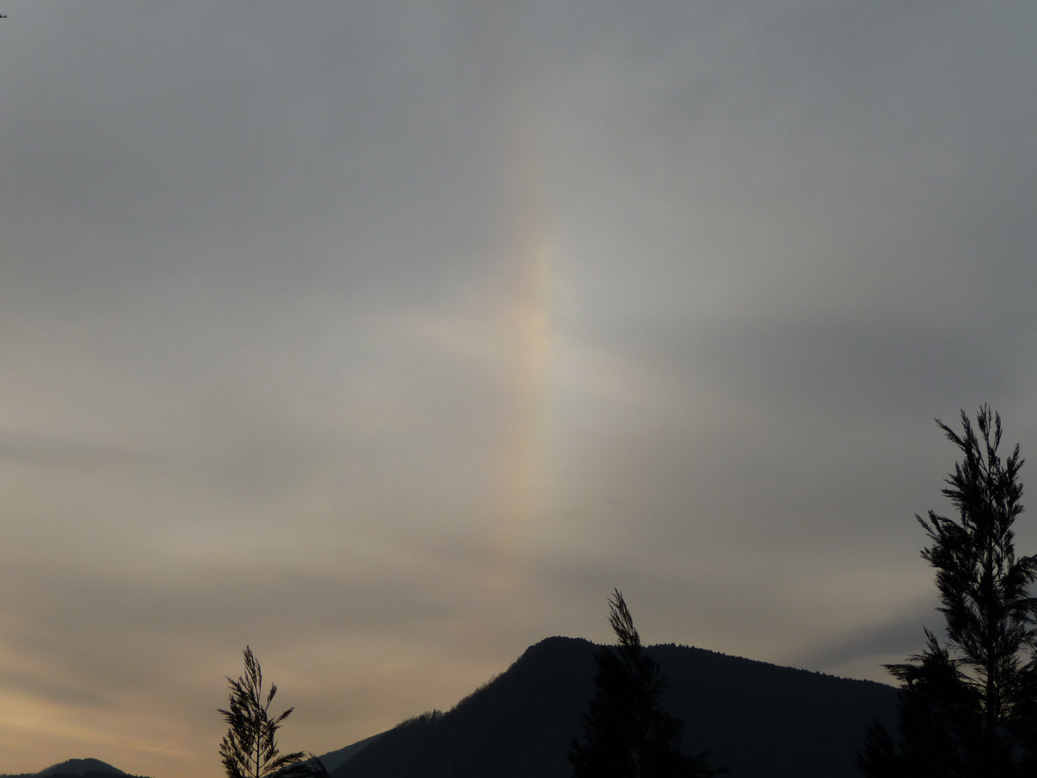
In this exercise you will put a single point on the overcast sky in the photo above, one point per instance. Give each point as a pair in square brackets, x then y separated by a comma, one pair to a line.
[388, 337]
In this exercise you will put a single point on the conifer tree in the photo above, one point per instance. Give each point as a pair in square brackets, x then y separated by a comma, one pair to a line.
[626, 734]
[968, 703]
[249, 749]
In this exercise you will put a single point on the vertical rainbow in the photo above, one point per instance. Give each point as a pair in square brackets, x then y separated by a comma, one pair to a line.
[521, 478]
[530, 279]
[518, 500]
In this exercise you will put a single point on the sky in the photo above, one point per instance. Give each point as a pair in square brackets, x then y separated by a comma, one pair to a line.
[388, 338]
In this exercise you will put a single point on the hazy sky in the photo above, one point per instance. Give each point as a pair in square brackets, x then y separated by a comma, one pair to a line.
[389, 337]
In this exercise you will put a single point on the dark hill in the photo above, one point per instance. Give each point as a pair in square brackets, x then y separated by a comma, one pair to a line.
[80, 767]
[333, 759]
[76, 768]
[756, 719]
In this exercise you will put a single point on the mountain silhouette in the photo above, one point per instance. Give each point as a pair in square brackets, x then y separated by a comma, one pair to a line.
[756, 719]
[76, 768]
[333, 759]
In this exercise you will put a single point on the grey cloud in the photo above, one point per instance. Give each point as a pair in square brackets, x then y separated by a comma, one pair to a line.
[55, 452]
[73, 695]
[902, 634]
[185, 187]
[838, 367]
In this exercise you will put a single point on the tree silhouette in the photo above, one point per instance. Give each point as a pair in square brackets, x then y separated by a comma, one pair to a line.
[249, 749]
[968, 704]
[626, 734]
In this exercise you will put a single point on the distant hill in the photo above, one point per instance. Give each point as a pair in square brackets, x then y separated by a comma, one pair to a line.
[76, 768]
[335, 759]
[758, 720]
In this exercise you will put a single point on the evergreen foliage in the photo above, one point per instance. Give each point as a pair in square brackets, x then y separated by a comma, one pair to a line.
[968, 703]
[249, 749]
[626, 734]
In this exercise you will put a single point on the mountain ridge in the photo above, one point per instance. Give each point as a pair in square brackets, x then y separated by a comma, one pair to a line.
[758, 719]
[75, 768]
